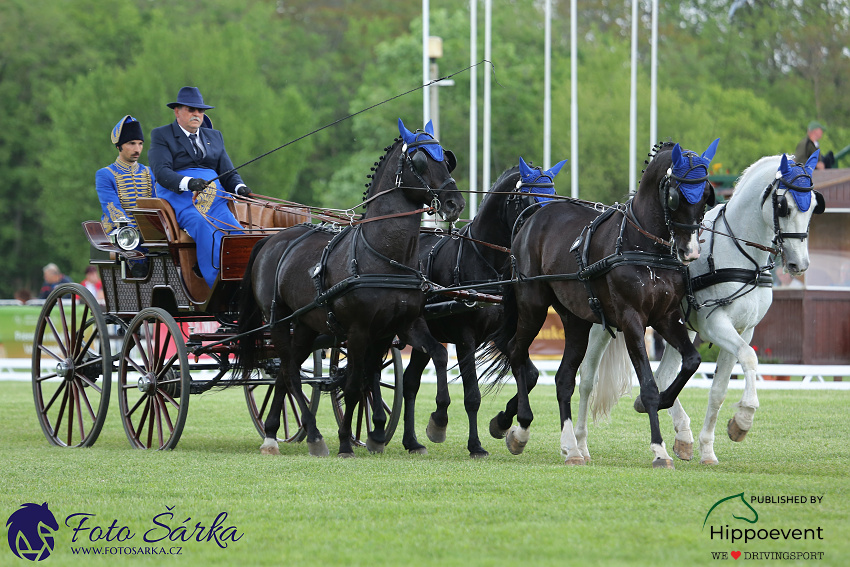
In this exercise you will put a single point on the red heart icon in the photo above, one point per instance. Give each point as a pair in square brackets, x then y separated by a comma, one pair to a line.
[736, 554]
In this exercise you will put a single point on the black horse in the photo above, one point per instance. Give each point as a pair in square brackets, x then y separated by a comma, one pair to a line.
[475, 256]
[360, 285]
[615, 267]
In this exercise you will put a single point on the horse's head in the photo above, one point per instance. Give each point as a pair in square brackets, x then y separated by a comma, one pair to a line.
[787, 205]
[681, 178]
[424, 172]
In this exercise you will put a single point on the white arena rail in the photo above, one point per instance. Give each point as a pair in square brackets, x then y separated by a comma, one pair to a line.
[814, 377]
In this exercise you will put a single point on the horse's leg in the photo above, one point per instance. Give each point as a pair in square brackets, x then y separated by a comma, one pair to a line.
[471, 394]
[412, 380]
[355, 386]
[650, 397]
[732, 346]
[598, 341]
[576, 333]
[501, 423]
[532, 315]
[292, 353]
[376, 439]
[683, 446]
[742, 421]
[716, 396]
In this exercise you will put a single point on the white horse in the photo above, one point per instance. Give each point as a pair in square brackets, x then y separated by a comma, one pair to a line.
[769, 213]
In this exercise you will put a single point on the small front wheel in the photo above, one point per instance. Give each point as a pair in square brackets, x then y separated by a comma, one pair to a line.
[153, 381]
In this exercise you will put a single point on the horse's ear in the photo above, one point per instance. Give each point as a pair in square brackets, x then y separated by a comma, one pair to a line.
[524, 170]
[406, 134]
[820, 203]
[429, 128]
[712, 197]
[712, 149]
[677, 155]
[812, 162]
[784, 169]
[553, 171]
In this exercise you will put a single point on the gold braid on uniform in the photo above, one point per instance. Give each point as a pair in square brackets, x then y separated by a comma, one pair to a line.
[132, 181]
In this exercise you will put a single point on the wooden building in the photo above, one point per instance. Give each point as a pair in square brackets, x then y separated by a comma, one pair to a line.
[810, 323]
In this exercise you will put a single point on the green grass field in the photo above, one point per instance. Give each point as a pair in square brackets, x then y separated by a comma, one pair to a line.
[440, 509]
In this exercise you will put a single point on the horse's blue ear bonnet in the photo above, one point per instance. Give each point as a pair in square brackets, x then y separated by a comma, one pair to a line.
[688, 166]
[797, 179]
[531, 177]
[410, 138]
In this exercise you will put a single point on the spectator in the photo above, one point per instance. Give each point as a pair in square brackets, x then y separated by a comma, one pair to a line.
[810, 143]
[92, 283]
[52, 277]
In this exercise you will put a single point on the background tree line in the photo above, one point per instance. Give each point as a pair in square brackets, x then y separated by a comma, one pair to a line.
[752, 73]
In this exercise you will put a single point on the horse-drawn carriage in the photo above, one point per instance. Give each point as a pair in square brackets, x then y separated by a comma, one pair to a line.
[165, 335]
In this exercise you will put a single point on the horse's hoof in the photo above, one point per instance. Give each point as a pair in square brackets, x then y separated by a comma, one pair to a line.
[418, 451]
[318, 448]
[436, 433]
[575, 461]
[709, 462]
[479, 454]
[515, 446]
[345, 455]
[683, 450]
[495, 430]
[639, 405]
[269, 447]
[735, 432]
[587, 460]
[660, 463]
[373, 446]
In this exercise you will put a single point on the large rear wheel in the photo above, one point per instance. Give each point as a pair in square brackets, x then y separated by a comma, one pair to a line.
[71, 367]
[153, 381]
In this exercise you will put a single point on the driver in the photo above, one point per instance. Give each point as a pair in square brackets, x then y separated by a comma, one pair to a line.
[184, 156]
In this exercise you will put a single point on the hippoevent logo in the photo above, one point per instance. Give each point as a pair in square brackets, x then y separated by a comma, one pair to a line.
[31, 530]
[734, 520]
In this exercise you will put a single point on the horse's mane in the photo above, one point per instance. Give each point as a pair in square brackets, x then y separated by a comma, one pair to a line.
[765, 167]
[375, 168]
[653, 153]
[501, 179]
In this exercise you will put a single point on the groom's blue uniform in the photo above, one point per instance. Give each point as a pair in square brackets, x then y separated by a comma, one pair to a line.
[172, 158]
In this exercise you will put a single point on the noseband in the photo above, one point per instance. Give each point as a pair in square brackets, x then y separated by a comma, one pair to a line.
[405, 158]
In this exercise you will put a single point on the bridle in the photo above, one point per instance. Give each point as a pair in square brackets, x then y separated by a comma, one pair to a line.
[419, 162]
[524, 203]
[780, 204]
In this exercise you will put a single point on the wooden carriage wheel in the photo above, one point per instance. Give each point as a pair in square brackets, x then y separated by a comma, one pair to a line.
[259, 397]
[71, 367]
[392, 396]
[153, 381]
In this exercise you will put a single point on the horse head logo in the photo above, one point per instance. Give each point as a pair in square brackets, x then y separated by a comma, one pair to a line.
[733, 507]
[31, 530]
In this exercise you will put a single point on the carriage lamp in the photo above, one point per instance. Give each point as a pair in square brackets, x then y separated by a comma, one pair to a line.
[125, 237]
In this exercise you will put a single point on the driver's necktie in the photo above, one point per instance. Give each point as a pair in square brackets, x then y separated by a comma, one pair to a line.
[194, 139]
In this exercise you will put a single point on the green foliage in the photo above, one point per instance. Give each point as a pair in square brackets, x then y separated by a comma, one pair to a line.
[277, 71]
[708, 352]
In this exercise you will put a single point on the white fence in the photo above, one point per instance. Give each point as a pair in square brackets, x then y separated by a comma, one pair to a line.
[818, 377]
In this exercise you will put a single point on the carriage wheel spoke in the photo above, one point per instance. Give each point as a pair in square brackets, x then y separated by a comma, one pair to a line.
[82, 394]
[58, 391]
[59, 342]
[50, 352]
[78, 406]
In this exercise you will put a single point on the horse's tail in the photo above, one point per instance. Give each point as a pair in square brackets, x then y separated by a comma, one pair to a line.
[248, 344]
[494, 353]
[613, 379]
